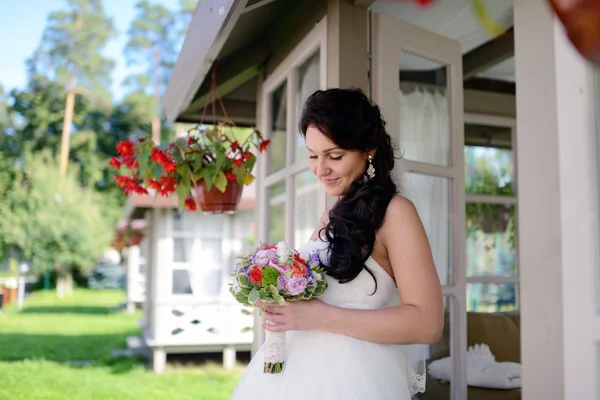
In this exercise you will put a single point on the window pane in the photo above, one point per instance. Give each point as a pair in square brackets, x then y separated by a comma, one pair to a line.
[309, 81]
[210, 253]
[276, 195]
[431, 196]
[499, 137]
[491, 297]
[181, 282]
[424, 112]
[306, 209]
[277, 151]
[183, 249]
[195, 222]
[490, 245]
[488, 171]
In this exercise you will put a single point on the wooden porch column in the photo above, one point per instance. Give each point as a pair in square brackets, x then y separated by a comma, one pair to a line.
[161, 282]
[133, 268]
[347, 49]
[558, 209]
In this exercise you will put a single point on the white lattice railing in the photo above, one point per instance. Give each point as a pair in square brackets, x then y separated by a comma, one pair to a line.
[204, 324]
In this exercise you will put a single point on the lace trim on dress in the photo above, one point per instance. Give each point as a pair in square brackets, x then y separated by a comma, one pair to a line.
[417, 381]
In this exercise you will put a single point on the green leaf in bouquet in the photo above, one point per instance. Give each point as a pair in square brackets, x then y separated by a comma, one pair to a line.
[244, 281]
[264, 296]
[272, 290]
[246, 291]
[253, 296]
[241, 298]
[279, 300]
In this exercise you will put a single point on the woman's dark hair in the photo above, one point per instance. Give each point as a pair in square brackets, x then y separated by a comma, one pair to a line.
[353, 122]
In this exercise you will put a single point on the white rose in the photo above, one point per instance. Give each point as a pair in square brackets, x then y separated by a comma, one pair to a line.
[304, 257]
[283, 250]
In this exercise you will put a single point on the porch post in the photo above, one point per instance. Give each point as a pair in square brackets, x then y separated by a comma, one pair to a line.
[558, 209]
[162, 256]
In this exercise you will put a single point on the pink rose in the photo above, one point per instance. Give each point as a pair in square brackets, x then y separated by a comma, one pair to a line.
[295, 285]
[264, 257]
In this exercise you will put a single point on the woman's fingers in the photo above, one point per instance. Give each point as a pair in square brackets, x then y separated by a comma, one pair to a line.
[274, 328]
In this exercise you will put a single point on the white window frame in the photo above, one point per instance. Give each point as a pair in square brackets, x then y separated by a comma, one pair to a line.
[197, 235]
[315, 40]
[511, 123]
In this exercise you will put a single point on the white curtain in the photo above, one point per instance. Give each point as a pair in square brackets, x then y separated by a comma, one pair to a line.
[425, 137]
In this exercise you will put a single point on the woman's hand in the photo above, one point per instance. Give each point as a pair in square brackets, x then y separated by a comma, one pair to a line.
[296, 316]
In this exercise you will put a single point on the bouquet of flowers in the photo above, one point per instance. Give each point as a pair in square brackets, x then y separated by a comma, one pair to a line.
[277, 274]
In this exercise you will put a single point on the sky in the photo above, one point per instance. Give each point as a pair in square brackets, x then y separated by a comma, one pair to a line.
[22, 23]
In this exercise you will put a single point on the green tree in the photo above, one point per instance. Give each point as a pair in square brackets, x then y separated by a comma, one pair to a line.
[70, 53]
[152, 45]
[6, 123]
[53, 223]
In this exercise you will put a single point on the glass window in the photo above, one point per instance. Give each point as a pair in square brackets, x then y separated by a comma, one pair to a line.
[431, 197]
[277, 150]
[490, 247]
[210, 252]
[306, 207]
[309, 81]
[181, 282]
[276, 195]
[198, 223]
[424, 110]
[491, 297]
[488, 171]
[183, 250]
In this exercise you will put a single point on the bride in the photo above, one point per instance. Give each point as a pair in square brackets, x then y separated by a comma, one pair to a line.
[384, 293]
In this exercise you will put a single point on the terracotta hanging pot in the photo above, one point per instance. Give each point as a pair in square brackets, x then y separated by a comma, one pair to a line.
[581, 19]
[214, 201]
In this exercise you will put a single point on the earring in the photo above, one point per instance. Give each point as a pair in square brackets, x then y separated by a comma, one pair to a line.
[371, 168]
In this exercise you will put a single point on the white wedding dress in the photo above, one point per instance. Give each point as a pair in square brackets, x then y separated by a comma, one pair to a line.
[321, 365]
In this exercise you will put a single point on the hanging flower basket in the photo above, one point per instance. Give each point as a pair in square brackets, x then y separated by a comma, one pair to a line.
[206, 168]
[127, 237]
[214, 201]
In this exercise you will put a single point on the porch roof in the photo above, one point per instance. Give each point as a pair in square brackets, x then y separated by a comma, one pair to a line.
[230, 36]
[239, 38]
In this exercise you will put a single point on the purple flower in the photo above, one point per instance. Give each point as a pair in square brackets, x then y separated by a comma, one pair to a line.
[281, 282]
[314, 259]
[295, 285]
[263, 257]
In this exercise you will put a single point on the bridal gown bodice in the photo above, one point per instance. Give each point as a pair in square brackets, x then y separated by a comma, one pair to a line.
[326, 366]
[359, 293]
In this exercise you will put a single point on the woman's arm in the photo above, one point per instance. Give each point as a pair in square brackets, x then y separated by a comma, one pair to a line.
[420, 317]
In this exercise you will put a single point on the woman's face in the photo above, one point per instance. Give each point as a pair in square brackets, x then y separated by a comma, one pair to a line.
[335, 167]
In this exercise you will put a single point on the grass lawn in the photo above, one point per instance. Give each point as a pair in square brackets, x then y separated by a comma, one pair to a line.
[55, 349]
